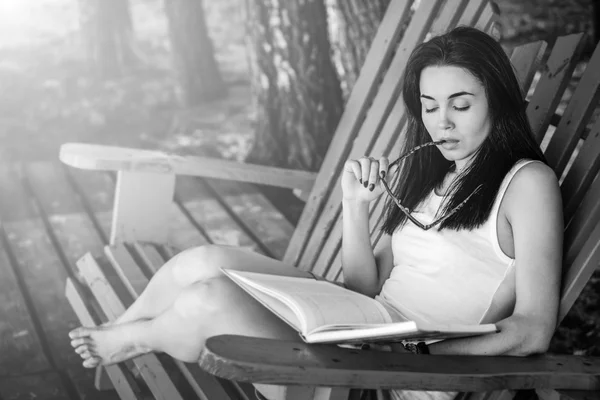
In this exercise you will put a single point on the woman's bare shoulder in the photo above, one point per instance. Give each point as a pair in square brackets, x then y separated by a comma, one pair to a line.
[534, 186]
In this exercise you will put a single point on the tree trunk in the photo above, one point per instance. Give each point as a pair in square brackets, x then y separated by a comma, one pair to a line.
[107, 35]
[296, 89]
[193, 52]
[357, 25]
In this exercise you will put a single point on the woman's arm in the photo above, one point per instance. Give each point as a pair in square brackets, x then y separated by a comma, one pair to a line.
[360, 185]
[358, 259]
[533, 207]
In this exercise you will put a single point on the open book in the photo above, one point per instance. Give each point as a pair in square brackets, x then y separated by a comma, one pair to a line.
[323, 312]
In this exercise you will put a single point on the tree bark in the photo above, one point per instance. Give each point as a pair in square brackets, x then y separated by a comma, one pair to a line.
[107, 35]
[358, 21]
[193, 52]
[295, 86]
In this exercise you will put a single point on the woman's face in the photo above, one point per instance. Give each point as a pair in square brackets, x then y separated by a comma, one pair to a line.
[454, 107]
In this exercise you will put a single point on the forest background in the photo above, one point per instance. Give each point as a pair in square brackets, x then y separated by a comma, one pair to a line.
[57, 86]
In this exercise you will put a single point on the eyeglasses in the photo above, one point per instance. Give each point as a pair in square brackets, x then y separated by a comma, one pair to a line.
[405, 210]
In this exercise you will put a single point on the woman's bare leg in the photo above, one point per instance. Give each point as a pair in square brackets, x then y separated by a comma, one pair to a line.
[197, 265]
[203, 309]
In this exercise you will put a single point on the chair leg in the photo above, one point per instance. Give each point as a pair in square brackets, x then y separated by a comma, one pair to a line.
[102, 380]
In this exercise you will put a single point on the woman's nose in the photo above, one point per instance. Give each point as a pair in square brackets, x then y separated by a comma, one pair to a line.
[444, 122]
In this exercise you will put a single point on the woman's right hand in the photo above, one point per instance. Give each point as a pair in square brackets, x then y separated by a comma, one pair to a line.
[361, 179]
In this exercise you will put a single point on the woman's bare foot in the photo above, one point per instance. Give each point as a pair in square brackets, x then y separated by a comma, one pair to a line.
[109, 344]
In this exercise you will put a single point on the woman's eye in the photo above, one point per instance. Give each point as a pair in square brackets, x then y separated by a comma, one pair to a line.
[465, 108]
[430, 110]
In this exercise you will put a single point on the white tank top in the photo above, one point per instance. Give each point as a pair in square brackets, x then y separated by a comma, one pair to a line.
[449, 276]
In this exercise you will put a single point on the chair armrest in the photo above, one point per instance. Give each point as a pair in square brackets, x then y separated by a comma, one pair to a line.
[110, 158]
[295, 363]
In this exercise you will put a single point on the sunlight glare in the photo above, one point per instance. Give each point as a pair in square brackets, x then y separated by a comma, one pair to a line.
[23, 22]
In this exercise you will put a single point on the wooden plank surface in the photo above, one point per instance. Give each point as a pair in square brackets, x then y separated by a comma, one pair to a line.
[70, 223]
[582, 172]
[210, 216]
[111, 158]
[45, 276]
[21, 352]
[280, 362]
[554, 79]
[472, 13]
[99, 193]
[44, 273]
[43, 386]
[20, 349]
[257, 214]
[576, 116]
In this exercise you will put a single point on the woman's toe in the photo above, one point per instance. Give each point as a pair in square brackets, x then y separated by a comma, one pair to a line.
[79, 333]
[75, 343]
[91, 362]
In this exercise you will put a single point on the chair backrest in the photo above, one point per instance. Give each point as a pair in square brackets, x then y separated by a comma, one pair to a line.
[374, 119]
[374, 114]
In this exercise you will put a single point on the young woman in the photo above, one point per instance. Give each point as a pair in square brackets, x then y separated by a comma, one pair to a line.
[483, 242]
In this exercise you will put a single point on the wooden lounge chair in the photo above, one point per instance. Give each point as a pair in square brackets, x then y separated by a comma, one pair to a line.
[372, 124]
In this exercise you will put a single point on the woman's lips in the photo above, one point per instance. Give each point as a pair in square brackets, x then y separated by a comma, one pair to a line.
[448, 144]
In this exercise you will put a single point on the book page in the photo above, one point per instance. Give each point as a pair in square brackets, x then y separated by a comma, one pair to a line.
[398, 331]
[317, 302]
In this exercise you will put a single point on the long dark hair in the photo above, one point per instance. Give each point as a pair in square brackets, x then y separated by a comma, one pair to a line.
[510, 138]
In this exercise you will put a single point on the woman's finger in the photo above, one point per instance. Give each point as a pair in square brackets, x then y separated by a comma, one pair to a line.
[365, 166]
[354, 166]
[373, 175]
[384, 164]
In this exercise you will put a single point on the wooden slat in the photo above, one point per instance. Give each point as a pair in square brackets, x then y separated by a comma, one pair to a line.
[584, 220]
[578, 395]
[579, 273]
[494, 395]
[448, 17]
[210, 216]
[257, 213]
[576, 116]
[472, 13]
[489, 16]
[96, 192]
[386, 100]
[554, 79]
[148, 365]
[549, 394]
[582, 172]
[110, 158]
[142, 201]
[70, 224]
[286, 362]
[377, 60]
[525, 59]
[120, 381]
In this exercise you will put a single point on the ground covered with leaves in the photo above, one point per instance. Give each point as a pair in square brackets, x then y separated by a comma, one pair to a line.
[48, 96]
